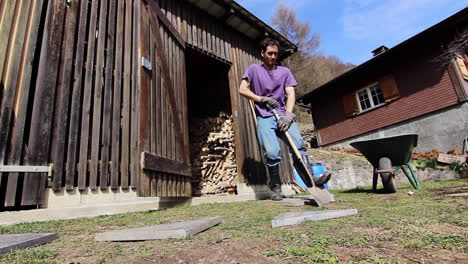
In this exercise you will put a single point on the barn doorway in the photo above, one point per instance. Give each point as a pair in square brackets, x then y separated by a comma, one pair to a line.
[211, 135]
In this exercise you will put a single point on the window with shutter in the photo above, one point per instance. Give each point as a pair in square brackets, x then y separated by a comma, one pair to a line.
[370, 97]
[350, 104]
[389, 87]
[379, 93]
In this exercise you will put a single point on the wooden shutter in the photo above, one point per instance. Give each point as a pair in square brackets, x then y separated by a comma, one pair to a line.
[351, 107]
[457, 81]
[389, 88]
[461, 63]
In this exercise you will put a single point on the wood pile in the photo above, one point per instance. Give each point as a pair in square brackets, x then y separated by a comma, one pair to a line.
[310, 136]
[212, 152]
[344, 150]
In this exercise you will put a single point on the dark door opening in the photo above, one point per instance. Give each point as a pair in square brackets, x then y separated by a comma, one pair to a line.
[211, 136]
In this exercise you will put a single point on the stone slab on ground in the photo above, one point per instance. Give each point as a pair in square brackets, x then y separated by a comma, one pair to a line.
[310, 200]
[13, 242]
[293, 202]
[457, 195]
[294, 218]
[180, 230]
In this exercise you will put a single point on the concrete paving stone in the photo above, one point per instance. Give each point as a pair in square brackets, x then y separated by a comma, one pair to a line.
[11, 242]
[457, 195]
[179, 230]
[294, 218]
[310, 200]
[288, 202]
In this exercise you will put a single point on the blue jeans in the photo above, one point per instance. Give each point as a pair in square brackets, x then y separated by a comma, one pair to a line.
[268, 134]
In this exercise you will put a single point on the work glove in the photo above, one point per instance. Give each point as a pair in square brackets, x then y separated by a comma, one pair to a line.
[285, 121]
[269, 101]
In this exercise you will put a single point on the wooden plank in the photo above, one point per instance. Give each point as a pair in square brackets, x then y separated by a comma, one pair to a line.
[41, 121]
[145, 85]
[116, 112]
[167, 23]
[216, 41]
[173, 119]
[154, 124]
[179, 89]
[108, 93]
[7, 11]
[183, 21]
[153, 184]
[87, 96]
[189, 16]
[164, 106]
[220, 41]
[233, 81]
[159, 184]
[227, 42]
[195, 30]
[7, 90]
[98, 97]
[184, 105]
[21, 107]
[448, 158]
[136, 66]
[72, 151]
[126, 97]
[64, 91]
[158, 125]
[161, 164]
[9, 112]
[165, 71]
[217, 49]
[204, 33]
[224, 47]
[170, 186]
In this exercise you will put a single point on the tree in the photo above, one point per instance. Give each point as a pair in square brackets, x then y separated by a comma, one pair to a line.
[310, 68]
[458, 46]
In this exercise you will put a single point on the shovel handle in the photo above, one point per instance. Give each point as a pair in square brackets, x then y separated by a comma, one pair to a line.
[293, 146]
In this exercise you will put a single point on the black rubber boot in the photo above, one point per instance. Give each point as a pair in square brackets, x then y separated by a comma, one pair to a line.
[275, 183]
[319, 182]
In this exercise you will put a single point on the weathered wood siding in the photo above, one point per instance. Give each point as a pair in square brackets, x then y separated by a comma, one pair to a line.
[73, 101]
[74, 93]
[212, 37]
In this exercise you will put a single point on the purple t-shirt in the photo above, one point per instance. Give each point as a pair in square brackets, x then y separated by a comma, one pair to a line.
[271, 84]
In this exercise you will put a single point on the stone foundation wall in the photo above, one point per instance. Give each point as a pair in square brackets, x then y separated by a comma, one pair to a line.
[349, 174]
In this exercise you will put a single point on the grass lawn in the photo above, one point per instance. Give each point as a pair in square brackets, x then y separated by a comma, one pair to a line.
[427, 227]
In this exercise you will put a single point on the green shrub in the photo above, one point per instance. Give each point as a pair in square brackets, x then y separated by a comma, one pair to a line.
[428, 163]
[458, 166]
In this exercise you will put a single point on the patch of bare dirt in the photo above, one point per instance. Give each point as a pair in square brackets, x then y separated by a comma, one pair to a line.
[451, 190]
[387, 251]
[230, 251]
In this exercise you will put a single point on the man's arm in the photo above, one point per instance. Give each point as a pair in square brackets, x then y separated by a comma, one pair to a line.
[291, 99]
[244, 90]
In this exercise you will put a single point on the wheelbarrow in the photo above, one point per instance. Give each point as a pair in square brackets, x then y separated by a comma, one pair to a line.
[388, 155]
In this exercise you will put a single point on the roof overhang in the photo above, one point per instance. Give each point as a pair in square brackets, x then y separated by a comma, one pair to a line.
[240, 19]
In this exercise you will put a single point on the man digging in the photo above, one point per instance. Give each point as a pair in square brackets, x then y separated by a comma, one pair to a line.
[273, 85]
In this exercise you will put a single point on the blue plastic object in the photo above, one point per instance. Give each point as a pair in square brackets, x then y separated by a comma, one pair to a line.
[317, 169]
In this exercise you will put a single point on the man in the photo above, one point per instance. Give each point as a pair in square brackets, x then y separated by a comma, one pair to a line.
[273, 85]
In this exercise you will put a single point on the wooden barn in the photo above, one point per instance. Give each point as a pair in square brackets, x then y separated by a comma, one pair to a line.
[113, 96]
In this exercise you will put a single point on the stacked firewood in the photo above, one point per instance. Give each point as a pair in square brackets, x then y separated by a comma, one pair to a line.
[212, 153]
[308, 135]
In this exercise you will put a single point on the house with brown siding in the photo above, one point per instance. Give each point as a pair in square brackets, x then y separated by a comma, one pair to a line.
[405, 89]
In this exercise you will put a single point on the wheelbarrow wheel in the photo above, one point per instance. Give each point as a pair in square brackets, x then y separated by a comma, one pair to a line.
[388, 180]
